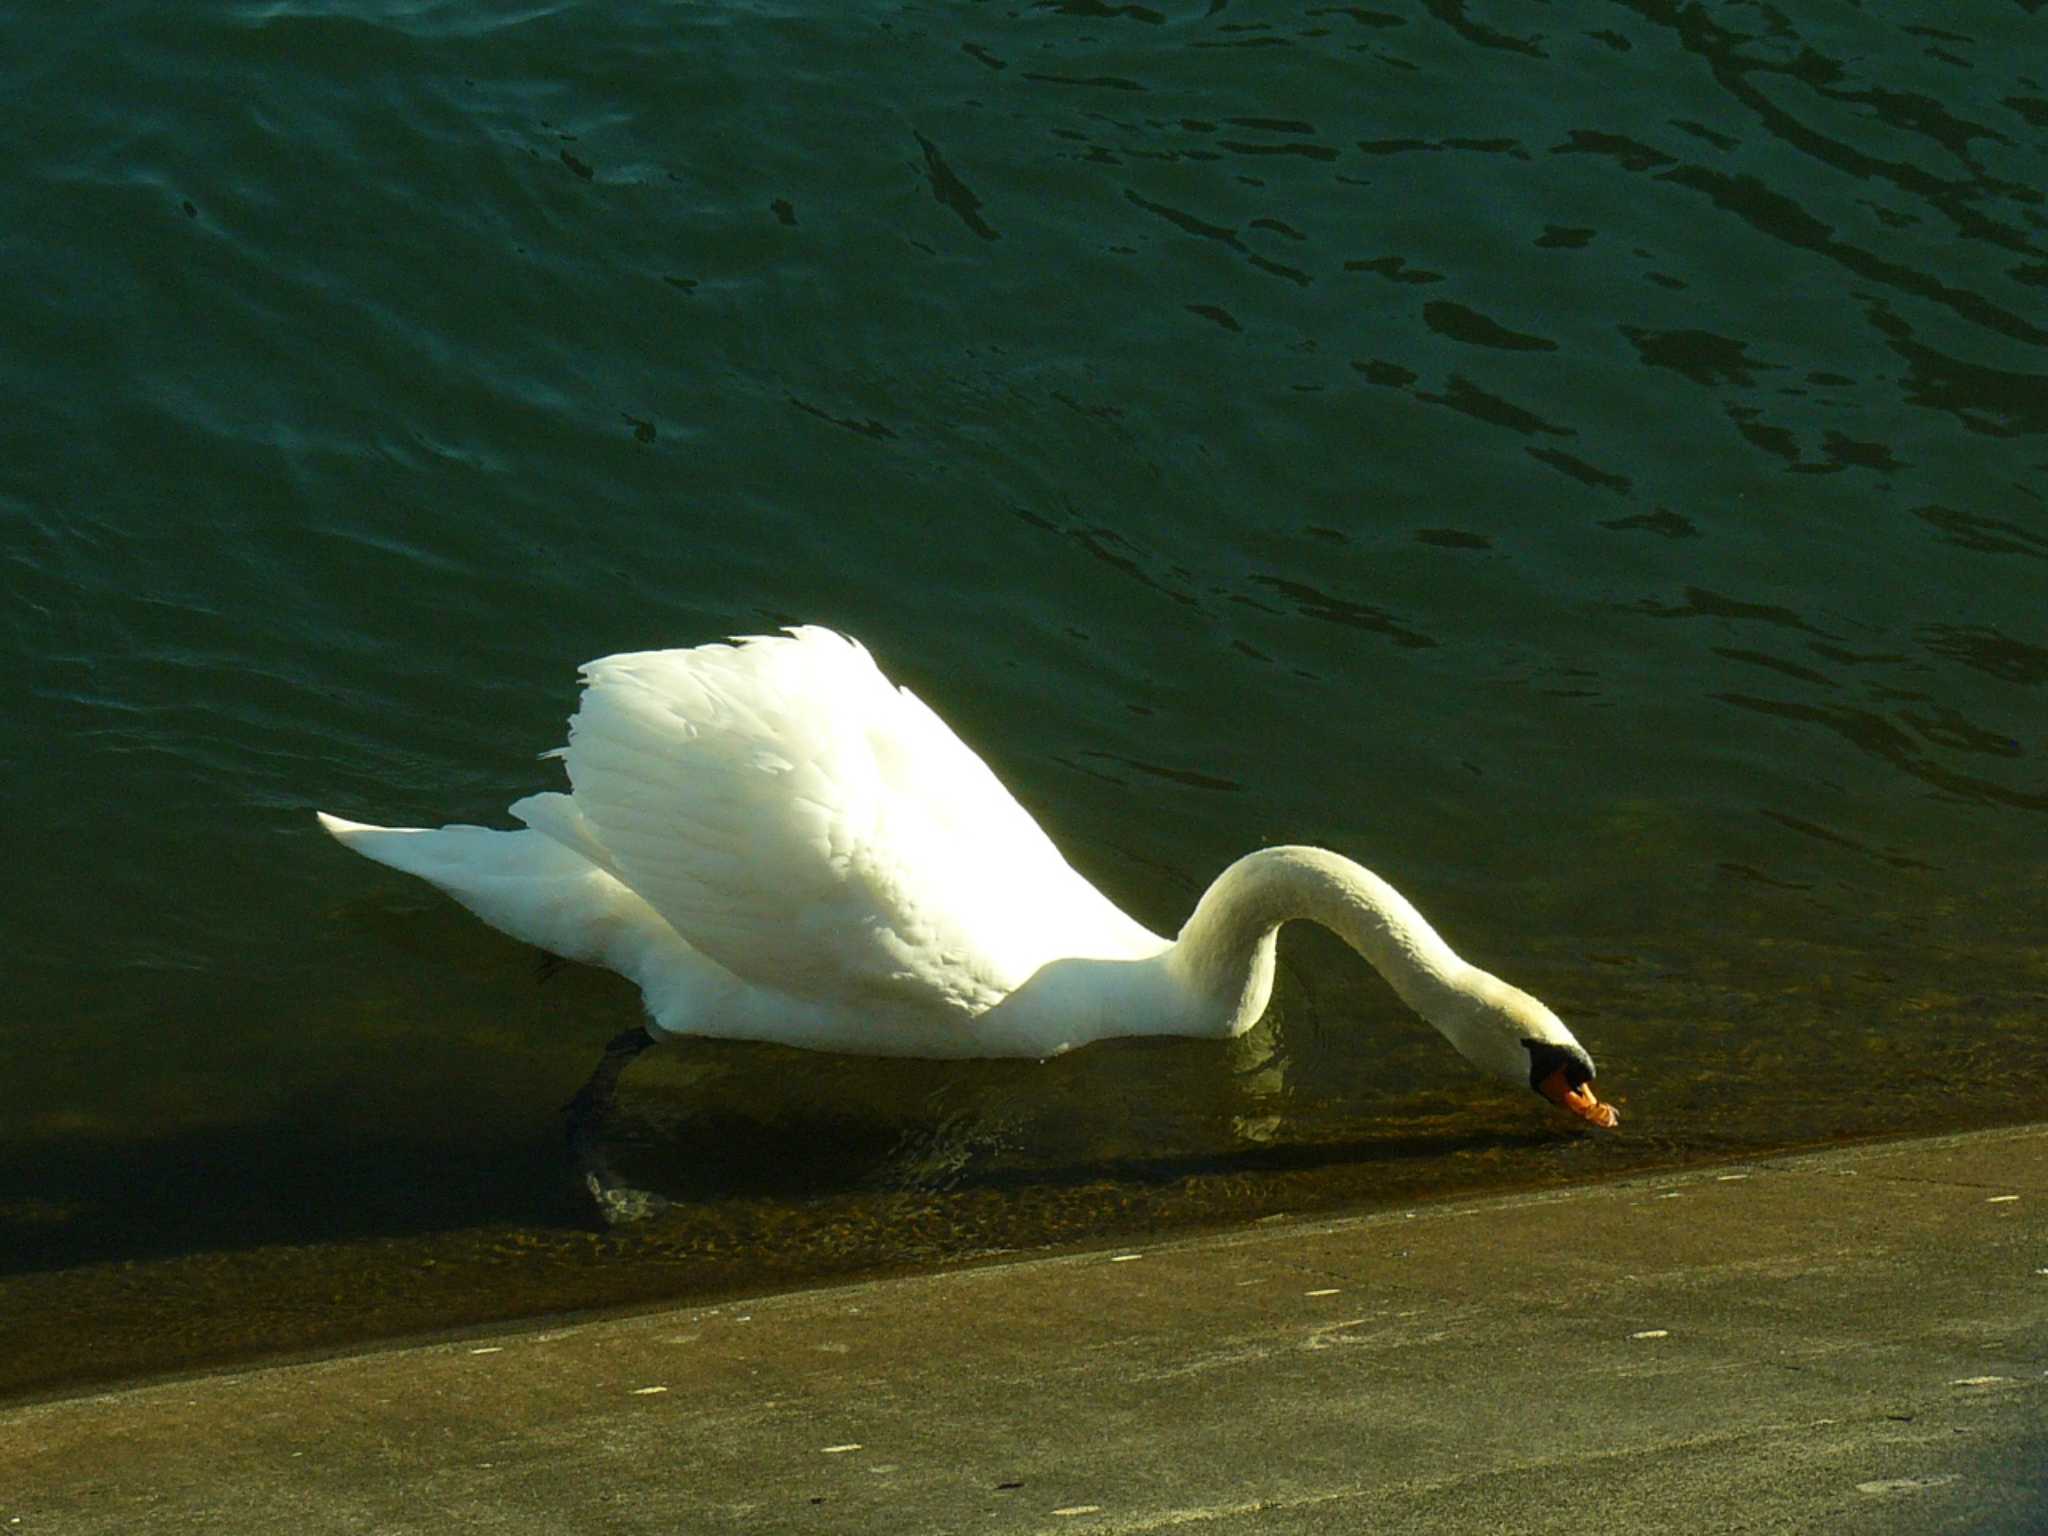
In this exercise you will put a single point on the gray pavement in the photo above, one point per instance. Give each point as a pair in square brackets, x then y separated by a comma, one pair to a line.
[1852, 1341]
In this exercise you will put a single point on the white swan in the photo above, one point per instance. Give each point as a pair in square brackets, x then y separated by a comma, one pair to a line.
[776, 843]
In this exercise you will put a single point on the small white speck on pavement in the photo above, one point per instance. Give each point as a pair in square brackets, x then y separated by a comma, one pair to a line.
[1905, 1484]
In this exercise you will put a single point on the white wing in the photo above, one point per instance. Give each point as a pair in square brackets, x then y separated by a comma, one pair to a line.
[818, 831]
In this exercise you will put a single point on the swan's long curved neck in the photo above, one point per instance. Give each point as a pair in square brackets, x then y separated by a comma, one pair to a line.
[1225, 953]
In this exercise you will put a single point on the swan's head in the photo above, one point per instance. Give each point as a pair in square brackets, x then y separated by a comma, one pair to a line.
[1563, 1073]
[1506, 1032]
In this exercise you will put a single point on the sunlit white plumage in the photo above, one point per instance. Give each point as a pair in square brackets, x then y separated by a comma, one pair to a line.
[777, 843]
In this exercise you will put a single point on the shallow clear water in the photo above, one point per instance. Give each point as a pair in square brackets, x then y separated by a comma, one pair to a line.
[1583, 460]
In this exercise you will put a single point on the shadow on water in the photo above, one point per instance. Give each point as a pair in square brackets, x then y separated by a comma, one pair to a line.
[325, 1241]
[280, 1183]
[129, 1256]
[443, 1198]
[263, 1183]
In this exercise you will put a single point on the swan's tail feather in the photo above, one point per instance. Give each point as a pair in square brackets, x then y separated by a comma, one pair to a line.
[448, 856]
[523, 883]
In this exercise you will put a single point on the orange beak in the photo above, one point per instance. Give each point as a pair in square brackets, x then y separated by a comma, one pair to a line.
[1579, 1100]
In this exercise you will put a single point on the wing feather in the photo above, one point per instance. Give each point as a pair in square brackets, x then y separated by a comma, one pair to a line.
[815, 829]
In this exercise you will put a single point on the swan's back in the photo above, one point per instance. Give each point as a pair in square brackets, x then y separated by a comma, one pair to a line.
[817, 830]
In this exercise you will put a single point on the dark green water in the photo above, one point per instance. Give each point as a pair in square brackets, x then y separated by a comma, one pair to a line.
[1587, 461]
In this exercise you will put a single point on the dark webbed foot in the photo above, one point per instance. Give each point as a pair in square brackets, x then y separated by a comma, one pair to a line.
[586, 1114]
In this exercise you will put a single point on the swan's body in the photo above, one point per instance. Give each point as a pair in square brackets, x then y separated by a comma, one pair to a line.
[776, 843]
